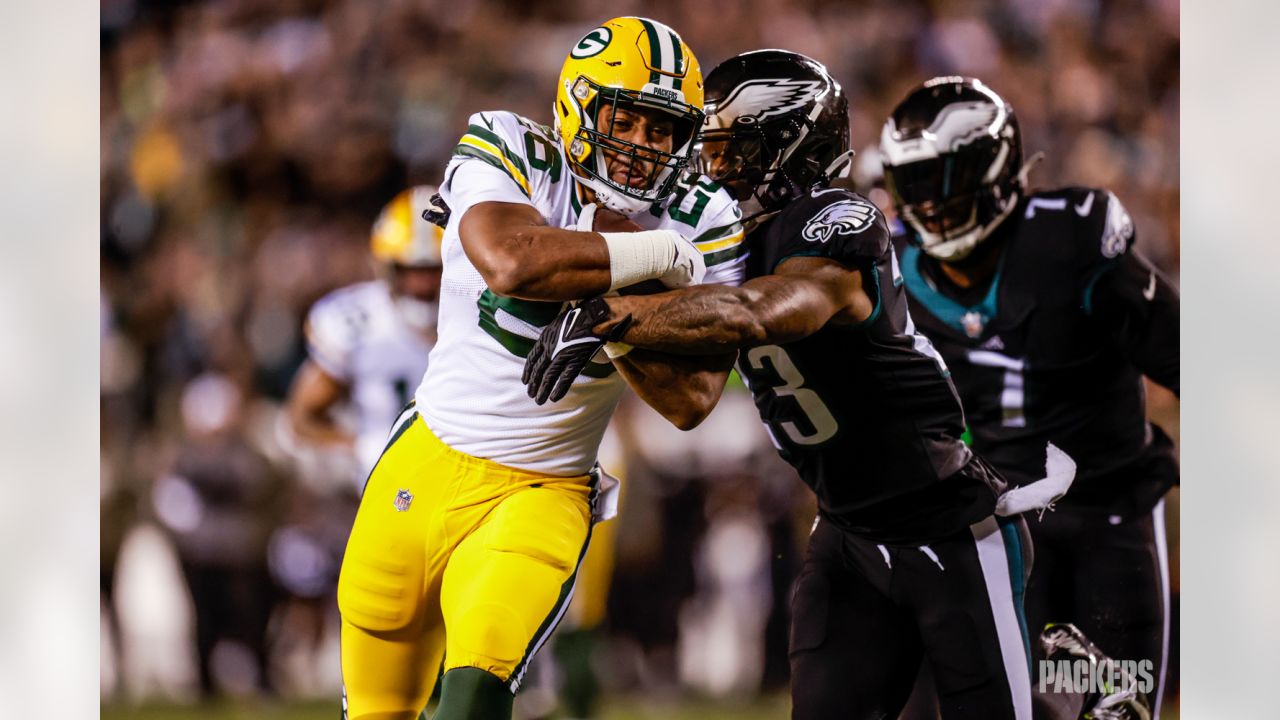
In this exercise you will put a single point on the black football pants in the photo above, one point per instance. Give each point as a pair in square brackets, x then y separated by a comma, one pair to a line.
[1109, 576]
[865, 615]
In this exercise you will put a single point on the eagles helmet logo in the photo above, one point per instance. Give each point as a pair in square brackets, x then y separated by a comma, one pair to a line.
[760, 99]
[593, 43]
[847, 217]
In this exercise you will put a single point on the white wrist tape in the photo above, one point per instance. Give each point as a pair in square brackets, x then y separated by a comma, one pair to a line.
[638, 256]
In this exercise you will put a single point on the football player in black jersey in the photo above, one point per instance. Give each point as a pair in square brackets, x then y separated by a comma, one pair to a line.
[908, 559]
[1048, 319]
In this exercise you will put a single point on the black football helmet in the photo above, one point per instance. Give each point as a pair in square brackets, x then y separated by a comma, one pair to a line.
[952, 157]
[777, 125]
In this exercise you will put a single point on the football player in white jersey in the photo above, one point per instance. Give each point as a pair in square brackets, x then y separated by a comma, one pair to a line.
[368, 343]
[475, 519]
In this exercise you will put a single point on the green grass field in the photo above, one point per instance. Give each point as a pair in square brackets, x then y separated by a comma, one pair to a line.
[770, 708]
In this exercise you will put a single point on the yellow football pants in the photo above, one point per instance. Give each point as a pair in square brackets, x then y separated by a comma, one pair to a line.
[457, 558]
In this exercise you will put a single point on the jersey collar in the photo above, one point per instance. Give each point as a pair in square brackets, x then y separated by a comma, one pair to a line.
[968, 320]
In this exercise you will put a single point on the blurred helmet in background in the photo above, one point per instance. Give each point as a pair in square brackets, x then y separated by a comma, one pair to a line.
[628, 63]
[952, 157]
[401, 236]
[777, 126]
[406, 254]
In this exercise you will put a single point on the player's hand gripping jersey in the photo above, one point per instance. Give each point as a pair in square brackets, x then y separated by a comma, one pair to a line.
[472, 396]
[1056, 348]
[356, 335]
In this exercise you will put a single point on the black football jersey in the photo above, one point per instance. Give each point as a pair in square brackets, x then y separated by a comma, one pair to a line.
[865, 413]
[1056, 347]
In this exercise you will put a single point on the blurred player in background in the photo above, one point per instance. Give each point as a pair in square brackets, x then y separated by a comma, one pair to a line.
[367, 346]
[907, 559]
[476, 516]
[368, 343]
[1048, 318]
[218, 502]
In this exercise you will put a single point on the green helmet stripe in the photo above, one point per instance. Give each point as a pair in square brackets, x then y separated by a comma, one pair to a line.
[655, 50]
[679, 60]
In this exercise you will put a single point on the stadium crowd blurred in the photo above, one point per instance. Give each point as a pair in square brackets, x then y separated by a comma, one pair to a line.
[246, 146]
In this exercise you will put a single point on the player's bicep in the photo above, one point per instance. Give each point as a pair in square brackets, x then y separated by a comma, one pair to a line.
[496, 236]
[801, 296]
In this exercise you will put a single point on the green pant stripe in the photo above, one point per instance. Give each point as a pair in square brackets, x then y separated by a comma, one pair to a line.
[557, 611]
[400, 430]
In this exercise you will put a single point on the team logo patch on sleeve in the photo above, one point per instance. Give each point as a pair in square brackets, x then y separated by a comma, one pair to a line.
[1118, 232]
[847, 217]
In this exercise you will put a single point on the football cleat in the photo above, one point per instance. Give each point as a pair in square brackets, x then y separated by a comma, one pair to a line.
[1122, 701]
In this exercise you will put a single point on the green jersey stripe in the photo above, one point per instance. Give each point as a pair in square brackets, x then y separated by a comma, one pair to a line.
[724, 256]
[495, 139]
[468, 151]
[716, 233]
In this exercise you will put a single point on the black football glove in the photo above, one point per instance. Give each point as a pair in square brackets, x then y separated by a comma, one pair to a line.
[565, 347]
[437, 211]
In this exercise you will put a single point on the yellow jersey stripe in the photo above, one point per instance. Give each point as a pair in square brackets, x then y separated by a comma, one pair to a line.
[496, 153]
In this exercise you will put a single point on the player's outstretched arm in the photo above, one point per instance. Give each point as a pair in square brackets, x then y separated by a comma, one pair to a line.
[519, 255]
[312, 397]
[803, 295]
[682, 388]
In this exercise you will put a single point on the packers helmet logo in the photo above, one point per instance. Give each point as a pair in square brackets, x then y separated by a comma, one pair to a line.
[593, 43]
[847, 217]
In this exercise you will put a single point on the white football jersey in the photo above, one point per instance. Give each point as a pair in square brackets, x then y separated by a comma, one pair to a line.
[472, 397]
[356, 335]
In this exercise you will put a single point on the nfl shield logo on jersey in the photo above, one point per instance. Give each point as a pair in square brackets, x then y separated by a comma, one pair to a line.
[974, 323]
[403, 498]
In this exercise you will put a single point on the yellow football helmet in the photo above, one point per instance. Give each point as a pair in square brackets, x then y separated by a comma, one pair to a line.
[401, 236]
[628, 62]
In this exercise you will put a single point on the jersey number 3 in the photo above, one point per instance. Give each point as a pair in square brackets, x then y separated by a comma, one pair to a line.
[815, 411]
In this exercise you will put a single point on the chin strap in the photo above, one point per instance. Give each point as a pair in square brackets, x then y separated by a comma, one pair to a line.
[1025, 170]
[839, 166]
